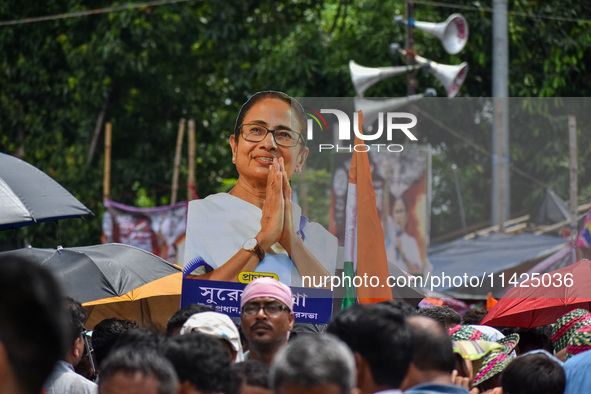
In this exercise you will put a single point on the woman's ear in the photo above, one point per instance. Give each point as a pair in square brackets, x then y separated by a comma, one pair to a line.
[301, 158]
[233, 144]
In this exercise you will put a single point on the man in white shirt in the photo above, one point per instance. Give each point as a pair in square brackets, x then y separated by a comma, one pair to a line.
[63, 379]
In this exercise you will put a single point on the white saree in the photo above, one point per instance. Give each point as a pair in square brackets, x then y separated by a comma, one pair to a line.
[218, 225]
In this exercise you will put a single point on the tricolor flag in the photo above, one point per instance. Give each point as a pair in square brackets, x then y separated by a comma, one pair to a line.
[365, 251]
[584, 238]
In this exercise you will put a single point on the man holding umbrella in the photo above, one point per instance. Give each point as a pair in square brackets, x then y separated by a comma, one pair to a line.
[63, 379]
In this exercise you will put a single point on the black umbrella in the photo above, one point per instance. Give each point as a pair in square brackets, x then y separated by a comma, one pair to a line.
[28, 195]
[91, 273]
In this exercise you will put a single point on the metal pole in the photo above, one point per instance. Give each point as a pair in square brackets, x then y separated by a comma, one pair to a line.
[572, 143]
[410, 48]
[460, 202]
[501, 164]
[500, 135]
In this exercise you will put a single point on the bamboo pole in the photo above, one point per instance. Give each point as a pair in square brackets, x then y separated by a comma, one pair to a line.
[191, 176]
[107, 170]
[177, 161]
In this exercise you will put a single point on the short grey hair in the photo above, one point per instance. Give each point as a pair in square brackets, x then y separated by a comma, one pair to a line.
[314, 360]
[148, 362]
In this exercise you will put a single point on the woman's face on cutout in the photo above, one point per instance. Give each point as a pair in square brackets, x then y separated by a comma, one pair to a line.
[253, 158]
[400, 215]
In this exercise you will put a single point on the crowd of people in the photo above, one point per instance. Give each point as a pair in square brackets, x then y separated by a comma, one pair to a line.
[387, 347]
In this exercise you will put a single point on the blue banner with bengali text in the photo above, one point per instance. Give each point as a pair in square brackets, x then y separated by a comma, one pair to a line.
[310, 305]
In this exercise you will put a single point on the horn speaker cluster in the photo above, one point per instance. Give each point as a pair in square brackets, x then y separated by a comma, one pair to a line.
[453, 34]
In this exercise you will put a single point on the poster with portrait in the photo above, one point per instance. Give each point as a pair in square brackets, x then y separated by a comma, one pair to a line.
[159, 230]
[402, 185]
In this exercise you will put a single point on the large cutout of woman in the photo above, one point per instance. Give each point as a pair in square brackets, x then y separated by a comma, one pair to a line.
[256, 227]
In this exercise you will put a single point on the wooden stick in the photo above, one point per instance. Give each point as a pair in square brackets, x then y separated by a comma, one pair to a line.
[191, 176]
[107, 172]
[97, 130]
[177, 161]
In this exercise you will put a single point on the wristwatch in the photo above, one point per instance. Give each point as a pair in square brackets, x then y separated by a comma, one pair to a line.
[252, 245]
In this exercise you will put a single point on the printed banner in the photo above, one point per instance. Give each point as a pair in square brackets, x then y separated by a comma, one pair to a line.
[401, 184]
[310, 305]
[158, 230]
[364, 240]
[584, 238]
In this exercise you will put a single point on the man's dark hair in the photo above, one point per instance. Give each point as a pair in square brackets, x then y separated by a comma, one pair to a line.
[380, 335]
[77, 316]
[106, 333]
[474, 316]
[32, 321]
[179, 318]
[146, 361]
[443, 314]
[402, 306]
[252, 372]
[533, 373]
[141, 338]
[431, 348]
[203, 361]
[532, 338]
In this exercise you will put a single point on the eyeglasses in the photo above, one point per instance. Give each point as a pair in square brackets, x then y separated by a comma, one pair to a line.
[270, 309]
[257, 133]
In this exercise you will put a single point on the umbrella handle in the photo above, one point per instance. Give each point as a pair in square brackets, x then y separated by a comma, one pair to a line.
[89, 352]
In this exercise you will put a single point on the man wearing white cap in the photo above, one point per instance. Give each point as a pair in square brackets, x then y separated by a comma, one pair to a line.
[217, 325]
[266, 317]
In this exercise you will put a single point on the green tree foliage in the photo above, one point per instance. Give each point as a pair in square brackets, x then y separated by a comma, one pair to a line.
[143, 69]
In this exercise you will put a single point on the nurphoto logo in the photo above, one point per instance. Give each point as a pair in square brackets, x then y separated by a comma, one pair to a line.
[388, 123]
